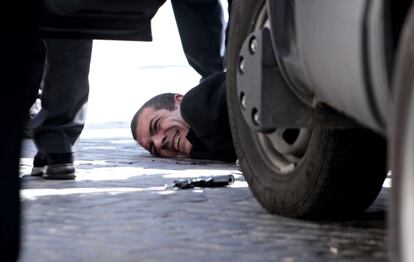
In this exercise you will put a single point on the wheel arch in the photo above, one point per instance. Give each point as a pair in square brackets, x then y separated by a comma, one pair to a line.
[374, 38]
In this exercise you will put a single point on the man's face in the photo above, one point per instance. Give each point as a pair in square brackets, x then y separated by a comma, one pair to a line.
[163, 132]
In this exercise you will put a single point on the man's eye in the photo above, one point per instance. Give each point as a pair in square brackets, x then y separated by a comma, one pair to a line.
[156, 125]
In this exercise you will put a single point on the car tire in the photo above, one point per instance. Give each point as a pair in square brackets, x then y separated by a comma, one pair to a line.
[402, 147]
[337, 175]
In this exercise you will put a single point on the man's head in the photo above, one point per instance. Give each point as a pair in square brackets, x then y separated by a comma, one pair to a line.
[159, 127]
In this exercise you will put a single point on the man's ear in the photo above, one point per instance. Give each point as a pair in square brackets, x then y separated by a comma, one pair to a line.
[177, 99]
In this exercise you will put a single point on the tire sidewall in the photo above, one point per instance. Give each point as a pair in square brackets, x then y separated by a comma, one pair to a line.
[278, 186]
[403, 82]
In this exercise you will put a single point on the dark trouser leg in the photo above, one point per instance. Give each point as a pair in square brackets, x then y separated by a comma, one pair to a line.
[229, 2]
[16, 56]
[201, 27]
[37, 71]
[35, 79]
[65, 94]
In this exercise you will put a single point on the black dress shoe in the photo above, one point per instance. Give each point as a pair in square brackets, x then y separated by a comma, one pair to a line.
[39, 164]
[54, 166]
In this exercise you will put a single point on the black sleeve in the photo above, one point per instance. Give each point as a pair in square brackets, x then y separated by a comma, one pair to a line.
[204, 108]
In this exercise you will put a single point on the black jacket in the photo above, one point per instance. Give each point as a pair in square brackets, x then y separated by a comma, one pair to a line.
[204, 108]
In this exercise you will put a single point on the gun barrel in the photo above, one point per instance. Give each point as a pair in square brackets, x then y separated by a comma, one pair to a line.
[215, 181]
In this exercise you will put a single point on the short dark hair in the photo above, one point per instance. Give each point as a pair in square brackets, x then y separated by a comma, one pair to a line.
[162, 101]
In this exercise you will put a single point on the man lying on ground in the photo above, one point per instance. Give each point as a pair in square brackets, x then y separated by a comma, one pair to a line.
[194, 125]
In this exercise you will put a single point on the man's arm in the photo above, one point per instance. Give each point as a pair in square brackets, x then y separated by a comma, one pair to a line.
[204, 108]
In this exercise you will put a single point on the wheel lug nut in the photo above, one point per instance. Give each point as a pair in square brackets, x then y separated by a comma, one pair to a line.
[241, 65]
[256, 117]
[253, 45]
[243, 101]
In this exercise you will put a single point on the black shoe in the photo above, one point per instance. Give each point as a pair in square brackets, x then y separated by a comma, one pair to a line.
[54, 166]
[39, 163]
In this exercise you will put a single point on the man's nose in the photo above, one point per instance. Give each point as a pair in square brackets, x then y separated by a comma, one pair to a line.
[160, 141]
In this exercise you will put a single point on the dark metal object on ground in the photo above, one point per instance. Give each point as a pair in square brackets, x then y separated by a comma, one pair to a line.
[216, 181]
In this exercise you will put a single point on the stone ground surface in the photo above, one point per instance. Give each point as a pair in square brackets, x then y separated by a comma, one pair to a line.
[118, 208]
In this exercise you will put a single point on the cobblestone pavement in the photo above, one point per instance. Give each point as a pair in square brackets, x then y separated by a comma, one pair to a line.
[118, 209]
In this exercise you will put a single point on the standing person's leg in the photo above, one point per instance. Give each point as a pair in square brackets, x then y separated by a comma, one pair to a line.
[229, 4]
[16, 52]
[201, 27]
[35, 78]
[64, 99]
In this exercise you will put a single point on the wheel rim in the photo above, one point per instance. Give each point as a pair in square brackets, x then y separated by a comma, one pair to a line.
[285, 147]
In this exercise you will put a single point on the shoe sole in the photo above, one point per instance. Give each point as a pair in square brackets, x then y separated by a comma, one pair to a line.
[59, 172]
